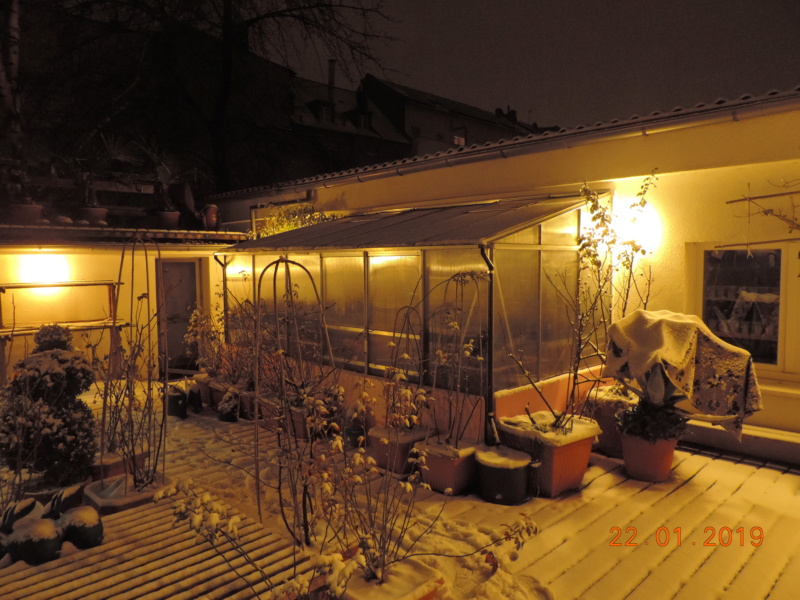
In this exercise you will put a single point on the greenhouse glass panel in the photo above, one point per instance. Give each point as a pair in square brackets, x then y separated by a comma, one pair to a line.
[345, 310]
[457, 284]
[394, 284]
[530, 236]
[561, 230]
[559, 288]
[517, 319]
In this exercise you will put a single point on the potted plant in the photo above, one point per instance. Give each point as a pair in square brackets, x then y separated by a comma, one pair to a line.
[391, 445]
[650, 429]
[21, 208]
[457, 377]
[165, 172]
[561, 437]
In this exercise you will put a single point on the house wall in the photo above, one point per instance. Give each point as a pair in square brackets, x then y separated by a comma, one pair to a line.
[702, 162]
[32, 307]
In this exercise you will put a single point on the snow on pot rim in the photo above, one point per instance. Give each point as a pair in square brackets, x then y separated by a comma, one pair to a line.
[432, 448]
[502, 457]
[582, 428]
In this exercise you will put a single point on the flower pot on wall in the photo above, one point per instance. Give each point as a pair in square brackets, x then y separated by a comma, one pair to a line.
[391, 448]
[648, 461]
[449, 468]
[24, 214]
[169, 219]
[94, 215]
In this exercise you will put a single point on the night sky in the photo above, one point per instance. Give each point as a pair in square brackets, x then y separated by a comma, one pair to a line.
[568, 62]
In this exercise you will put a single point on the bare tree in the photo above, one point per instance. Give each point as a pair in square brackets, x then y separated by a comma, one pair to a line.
[126, 58]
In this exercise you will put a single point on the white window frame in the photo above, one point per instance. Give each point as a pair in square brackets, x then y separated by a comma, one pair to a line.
[787, 368]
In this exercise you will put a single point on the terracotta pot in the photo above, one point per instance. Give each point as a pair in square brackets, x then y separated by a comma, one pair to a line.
[394, 455]
[297, 423]
[562, 467]
[603, 404]
[646, 461]
[114, 466]
[445, 471]
[24, 214]
[169, 219]
[95, 215]
[218, 390]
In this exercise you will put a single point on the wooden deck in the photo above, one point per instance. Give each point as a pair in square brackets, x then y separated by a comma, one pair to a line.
[144, 557]
[573, 555]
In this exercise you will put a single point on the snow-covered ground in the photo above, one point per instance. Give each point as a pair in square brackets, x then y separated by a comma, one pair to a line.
[573, 555]
[615, 538]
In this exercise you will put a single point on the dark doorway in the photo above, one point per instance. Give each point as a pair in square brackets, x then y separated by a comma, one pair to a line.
[180, 281]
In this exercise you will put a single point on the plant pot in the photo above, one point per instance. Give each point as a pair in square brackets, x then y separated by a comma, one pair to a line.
[119, 494]
[177, 404]
[113, 465]
[94, 215]
[355, 436]
[562, 467]
[410, 579]
[563, 456]
[169, 219]
[82, 526]
[217, 391]
[24, 214]
[393, 456]
[503, 475]
[203, 385]
[297, 423]
[34, 540]
[603, 405]
[270, 414]
[647, 461]
[449, 468]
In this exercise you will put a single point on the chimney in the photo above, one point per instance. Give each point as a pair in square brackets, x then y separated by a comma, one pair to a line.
[331, 80]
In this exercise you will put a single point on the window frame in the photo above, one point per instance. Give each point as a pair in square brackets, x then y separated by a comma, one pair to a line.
[787, 367]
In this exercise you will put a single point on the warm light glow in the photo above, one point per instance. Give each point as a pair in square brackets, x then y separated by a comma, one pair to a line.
[43, 268]
[238, 270]
[640, 224]
[379, 261]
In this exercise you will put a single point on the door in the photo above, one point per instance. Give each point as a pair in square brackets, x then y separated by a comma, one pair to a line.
[179, 279]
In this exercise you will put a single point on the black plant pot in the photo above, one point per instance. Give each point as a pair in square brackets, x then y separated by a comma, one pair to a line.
[176, 404]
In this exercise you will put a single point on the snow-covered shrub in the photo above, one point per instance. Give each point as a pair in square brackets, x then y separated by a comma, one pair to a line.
[19, 510]
[34, 540]
[44, 426]
[52, 337]
[82, 527]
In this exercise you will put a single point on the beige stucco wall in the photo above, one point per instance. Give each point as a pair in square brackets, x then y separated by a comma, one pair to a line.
[82, 264]
[702, 164]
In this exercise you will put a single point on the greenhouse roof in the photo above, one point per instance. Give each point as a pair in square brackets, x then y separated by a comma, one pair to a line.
[463, 225]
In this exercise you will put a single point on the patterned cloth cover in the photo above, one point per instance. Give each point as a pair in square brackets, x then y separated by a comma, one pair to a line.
[718, 378]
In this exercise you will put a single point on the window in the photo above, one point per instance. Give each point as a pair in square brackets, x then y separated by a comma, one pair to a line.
[742, 297]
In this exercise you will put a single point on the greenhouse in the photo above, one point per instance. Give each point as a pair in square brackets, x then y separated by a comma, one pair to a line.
[483, 275]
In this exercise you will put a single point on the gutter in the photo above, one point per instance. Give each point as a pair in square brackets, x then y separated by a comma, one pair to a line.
[582, 136]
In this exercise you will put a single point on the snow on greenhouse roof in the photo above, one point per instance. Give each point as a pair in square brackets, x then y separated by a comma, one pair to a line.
[464, 225]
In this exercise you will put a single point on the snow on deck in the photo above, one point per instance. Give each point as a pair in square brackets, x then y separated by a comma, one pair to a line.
[142, 555]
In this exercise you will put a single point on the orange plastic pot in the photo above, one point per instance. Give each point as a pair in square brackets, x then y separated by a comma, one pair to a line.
[646, 461]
